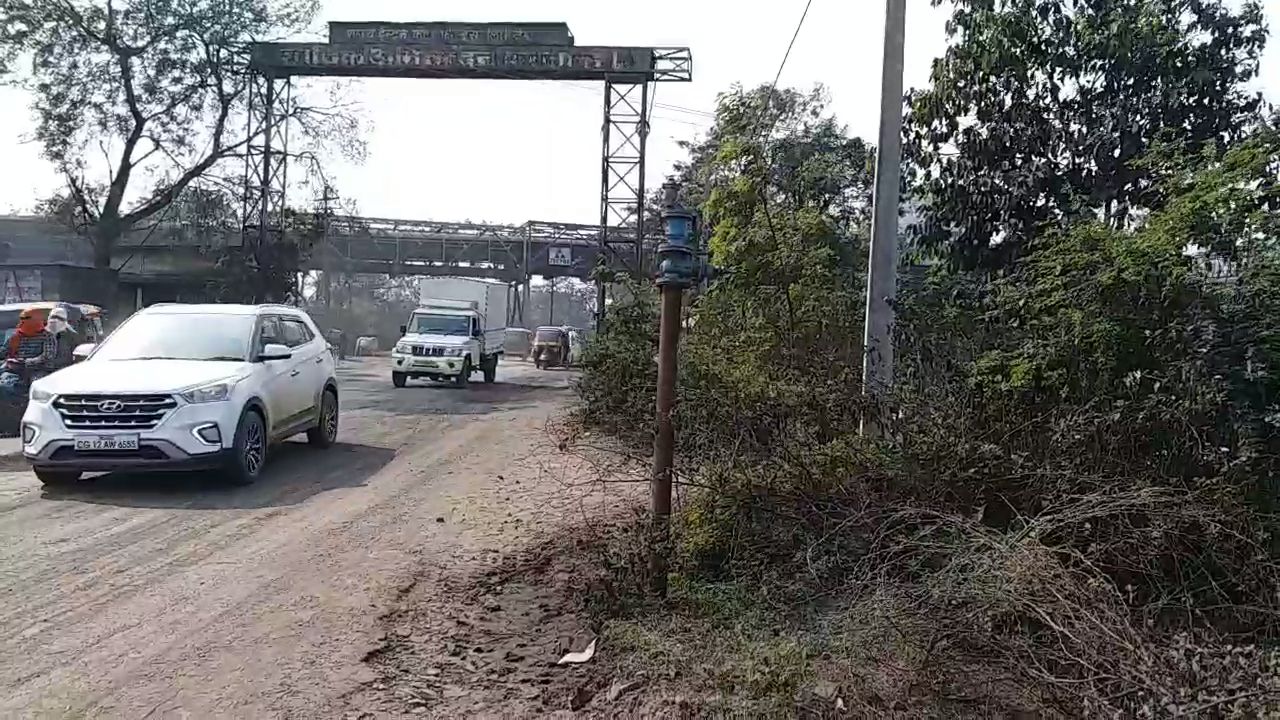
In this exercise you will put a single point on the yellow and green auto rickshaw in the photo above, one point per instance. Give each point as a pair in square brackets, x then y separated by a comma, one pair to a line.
[550, 347]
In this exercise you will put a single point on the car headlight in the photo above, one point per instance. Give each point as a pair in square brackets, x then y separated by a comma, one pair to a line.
[40, 395]
[217, 392]
[455, 352]
[403, 349]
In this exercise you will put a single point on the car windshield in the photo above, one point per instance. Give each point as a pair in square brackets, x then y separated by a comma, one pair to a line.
[425, 324]
[180, 336]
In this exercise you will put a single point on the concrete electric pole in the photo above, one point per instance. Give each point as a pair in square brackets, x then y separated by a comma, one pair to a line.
[882, 264]
[327, 198]
[551, 301]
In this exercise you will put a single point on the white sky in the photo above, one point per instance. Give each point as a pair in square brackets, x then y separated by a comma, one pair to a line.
[510, 151]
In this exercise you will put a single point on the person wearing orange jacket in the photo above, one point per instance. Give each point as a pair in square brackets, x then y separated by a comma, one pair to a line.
[29, 355]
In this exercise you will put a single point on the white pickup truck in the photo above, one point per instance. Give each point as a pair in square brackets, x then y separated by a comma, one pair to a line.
[448, 339]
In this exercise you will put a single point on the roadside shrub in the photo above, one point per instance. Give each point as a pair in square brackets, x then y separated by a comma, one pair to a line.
[619, 372]
[946, 607]
[1072, 511]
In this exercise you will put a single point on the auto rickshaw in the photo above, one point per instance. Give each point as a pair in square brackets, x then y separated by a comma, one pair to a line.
[550, 347]
[84, 319]
[517, 342]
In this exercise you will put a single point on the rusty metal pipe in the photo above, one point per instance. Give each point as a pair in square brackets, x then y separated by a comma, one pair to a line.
[664, 436]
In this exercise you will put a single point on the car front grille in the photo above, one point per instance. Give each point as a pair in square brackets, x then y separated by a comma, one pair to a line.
[113, 412]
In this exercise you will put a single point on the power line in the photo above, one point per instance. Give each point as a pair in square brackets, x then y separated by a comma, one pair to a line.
[653, 103]
[665, 106]
[690, 111]
[764, 107]
[768, 100]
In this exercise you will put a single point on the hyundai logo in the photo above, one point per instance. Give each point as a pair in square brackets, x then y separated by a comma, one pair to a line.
[110, 406]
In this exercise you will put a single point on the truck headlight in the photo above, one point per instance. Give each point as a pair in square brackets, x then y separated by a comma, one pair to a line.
[403, 349]
[40, 395]
[455, 352]
[217, 392]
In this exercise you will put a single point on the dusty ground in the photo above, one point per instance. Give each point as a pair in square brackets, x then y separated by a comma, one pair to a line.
[473, 641]
[322, 591]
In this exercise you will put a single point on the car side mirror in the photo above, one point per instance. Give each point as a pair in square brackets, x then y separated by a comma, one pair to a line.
[82, 351]
[404, 329]
[274, 351]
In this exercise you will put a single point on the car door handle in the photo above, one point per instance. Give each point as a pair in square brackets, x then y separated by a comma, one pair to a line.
[294, 373]
[319, 359]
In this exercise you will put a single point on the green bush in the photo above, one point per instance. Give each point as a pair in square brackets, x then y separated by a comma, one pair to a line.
[619, 372]
[1082, 452]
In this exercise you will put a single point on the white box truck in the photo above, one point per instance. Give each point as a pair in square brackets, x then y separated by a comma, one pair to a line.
[457, 330]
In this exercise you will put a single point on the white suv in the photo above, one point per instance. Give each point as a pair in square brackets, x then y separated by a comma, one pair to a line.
[185, 387]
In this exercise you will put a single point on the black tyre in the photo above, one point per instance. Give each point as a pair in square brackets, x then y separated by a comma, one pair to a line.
[249, 456]
[463, 377]
[325, 433]
[57, 478]
[399, 379]
[491, 370]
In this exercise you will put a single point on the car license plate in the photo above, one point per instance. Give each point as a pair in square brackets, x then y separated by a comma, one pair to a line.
[107, 442]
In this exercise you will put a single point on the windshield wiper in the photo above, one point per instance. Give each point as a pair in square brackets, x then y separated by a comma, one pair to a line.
[223, 358]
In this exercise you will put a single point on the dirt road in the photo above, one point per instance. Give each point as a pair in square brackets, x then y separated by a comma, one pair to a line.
[173, 596]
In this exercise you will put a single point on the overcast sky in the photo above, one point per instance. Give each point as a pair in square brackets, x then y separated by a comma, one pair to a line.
[510, 151]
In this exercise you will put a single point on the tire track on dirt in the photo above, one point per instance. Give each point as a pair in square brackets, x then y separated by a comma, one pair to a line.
[256, 603]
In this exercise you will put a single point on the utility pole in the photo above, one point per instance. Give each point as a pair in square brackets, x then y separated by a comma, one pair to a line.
[526, 311]
[678, 269]
[551, 303]
[325, 250]
[882, 264]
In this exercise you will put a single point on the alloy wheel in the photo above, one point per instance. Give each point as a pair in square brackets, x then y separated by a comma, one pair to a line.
[330, 417]
[253, 447]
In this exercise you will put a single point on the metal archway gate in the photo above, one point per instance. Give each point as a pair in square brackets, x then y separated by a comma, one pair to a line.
[442, 50]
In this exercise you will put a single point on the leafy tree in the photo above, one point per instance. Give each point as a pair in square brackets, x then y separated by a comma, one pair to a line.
[206, 207]
[62, 208]
[1133, 352]
[267, 273]
[787, 198]
[775, 344]
[399, 289]
[810, 158]
[137, 99]
[1041, 111]
[574, 304]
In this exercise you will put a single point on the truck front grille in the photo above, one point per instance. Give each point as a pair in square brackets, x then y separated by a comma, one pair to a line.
[113, 412]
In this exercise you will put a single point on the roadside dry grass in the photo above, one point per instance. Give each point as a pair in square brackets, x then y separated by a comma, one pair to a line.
[555, 564]
[935, 615]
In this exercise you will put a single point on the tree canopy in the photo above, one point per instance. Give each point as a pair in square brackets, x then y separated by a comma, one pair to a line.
[1041, 111]
[1071, 511]
[787, 197]
[135, 100]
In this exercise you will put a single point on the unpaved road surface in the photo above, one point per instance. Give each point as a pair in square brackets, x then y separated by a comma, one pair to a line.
[174, 596]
